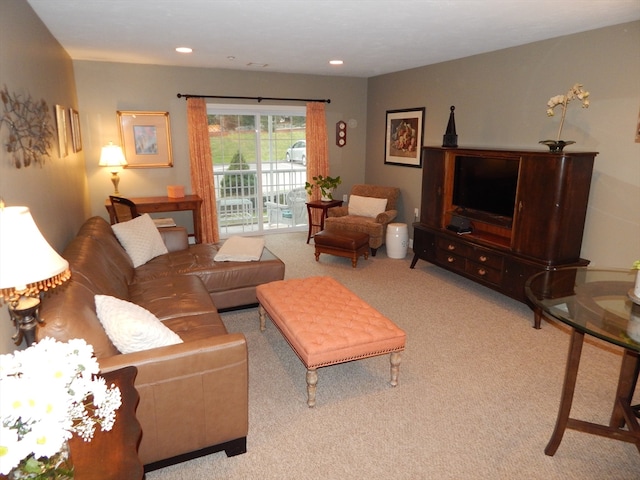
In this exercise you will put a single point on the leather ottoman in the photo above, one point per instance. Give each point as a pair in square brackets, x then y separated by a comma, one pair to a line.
[342, 244]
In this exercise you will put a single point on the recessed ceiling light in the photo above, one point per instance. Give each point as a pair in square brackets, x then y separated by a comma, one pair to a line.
[336, 62]
[184, 49]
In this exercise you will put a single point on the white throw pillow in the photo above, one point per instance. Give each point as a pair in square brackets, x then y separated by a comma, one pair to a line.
[132, 328]
[366, 206]
[140, 238]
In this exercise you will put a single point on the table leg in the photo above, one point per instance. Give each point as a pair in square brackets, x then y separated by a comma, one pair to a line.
[263, 318]
[396, 357]
[626, 386]
[197, 224]
[310, 223]
[312, 382]
[568, 389]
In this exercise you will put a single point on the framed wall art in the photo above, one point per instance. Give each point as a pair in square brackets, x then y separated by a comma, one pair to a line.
[76, 139]
[145, 139]
[61, 124]
[404, 136]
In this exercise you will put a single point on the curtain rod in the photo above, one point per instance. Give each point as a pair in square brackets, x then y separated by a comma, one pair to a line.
[259, 99]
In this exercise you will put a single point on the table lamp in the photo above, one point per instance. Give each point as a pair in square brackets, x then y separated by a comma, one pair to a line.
[28, 266]
[113, 157]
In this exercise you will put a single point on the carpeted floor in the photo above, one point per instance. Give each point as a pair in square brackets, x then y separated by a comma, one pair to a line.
[477, 397]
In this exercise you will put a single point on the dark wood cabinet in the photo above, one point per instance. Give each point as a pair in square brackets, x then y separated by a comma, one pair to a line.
[502, 251]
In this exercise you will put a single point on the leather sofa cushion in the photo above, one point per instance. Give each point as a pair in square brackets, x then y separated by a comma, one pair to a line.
[217, 276]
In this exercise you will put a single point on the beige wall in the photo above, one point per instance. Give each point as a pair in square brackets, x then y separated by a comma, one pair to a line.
[104, 88]
[32, 63]
[500, 101]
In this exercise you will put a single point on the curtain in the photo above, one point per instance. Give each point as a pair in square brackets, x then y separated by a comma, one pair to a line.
[317, 149]
[202, 167]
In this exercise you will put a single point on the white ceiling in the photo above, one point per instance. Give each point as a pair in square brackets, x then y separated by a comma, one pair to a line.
[373, 37]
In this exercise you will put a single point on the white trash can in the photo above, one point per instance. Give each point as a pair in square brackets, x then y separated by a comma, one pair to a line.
[397, 240]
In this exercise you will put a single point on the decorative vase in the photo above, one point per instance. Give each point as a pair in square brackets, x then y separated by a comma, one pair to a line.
[326, 195]
[556, 146]
[55, 467]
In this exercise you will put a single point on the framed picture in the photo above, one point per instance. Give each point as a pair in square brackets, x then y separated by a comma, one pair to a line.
[146, 139]
[61, 124]
[403, 137]
[76, 139]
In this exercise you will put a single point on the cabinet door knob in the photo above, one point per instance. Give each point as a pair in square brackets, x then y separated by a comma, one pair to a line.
[451, 247]
[483, 258]
[482, 272]
[450, 259]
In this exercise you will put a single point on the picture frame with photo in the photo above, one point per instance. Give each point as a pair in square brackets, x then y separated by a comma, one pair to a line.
[404, 135]
[61, 125]
[76, 138]
[146, 139]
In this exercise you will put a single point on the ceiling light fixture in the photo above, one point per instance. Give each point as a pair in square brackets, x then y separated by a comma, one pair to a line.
[336, 62]
[184, 50]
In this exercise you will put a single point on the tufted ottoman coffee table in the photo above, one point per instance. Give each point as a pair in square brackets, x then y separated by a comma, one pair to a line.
[342, 244]
[326, 324]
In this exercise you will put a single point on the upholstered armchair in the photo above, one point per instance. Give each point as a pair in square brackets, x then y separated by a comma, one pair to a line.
[367, 212]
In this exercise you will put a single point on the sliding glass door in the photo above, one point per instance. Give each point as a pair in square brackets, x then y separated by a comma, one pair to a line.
[259, 163]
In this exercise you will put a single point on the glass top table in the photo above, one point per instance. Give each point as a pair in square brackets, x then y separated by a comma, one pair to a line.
[599, 303]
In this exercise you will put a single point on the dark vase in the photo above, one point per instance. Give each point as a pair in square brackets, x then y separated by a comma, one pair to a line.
[556, 146]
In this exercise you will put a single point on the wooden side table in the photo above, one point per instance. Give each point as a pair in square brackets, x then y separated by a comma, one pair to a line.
[320, 205]
[112, 455]
[167, 204]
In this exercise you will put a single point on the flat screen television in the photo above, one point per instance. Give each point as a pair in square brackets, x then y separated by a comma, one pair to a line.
[485, 187]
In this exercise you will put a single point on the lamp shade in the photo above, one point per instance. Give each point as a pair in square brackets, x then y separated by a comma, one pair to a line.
[28, 264]
[112, 156]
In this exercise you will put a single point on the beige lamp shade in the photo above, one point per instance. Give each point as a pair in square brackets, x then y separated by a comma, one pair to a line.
[28, 264]
[112, 156]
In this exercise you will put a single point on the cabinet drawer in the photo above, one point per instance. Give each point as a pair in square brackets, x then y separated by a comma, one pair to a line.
[451, 260]
[453, 246]
[486, 257]
[484, 272]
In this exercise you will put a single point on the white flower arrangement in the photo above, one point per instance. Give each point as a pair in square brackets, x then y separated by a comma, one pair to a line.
[50, 391]
[574, 92]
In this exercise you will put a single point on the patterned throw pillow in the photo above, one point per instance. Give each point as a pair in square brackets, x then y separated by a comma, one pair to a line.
[132, 328]
[140, 238]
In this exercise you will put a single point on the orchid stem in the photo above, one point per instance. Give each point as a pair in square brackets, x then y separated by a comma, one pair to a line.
[564, 111]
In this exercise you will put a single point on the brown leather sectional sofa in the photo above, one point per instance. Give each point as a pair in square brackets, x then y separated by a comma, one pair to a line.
[193, 395]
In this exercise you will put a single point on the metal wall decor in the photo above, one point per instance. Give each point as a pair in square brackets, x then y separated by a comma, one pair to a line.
[31, 134]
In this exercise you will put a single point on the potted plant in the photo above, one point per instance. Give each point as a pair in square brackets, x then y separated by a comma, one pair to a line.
[325, 184]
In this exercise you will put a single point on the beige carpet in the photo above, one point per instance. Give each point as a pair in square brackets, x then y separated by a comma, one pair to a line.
[477, 397]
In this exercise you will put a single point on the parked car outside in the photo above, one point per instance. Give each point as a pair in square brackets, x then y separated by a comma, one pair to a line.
[297, 152]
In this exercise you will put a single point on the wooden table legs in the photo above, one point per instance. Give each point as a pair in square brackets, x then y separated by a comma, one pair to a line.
[622, 411]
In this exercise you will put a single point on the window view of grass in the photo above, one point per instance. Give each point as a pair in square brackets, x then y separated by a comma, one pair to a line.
[230, 134]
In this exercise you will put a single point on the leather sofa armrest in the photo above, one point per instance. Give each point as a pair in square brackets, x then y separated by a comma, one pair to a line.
[338, 211]
[162, 363]
[386, 217]
[175, 238]
[192, 395]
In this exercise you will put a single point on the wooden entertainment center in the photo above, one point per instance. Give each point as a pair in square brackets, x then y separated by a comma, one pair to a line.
[502, 251]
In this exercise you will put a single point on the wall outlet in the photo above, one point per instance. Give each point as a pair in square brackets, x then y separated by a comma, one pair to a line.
[345, 198]
[416, 212]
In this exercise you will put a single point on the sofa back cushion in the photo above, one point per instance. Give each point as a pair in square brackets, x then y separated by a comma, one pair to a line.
[69, 312]
[99, 266]
[98, 229]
